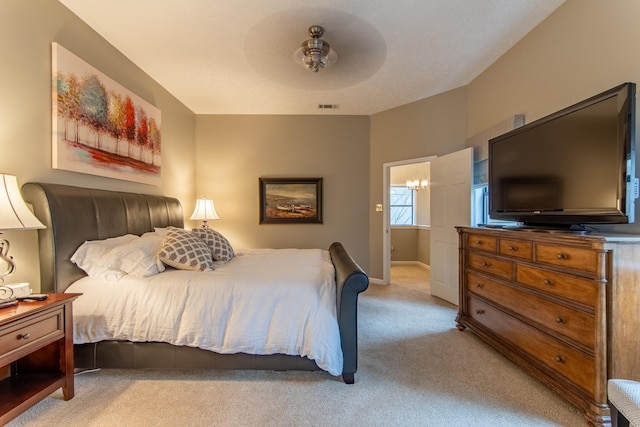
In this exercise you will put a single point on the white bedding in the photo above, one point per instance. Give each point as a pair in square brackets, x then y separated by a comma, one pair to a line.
[264, 301]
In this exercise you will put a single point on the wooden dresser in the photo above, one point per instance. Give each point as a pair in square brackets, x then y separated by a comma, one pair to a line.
[563, 306]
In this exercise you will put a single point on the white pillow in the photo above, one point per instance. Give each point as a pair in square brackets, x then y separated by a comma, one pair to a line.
[89, 257]
[112, 258]
[137, 257]
[161, 231]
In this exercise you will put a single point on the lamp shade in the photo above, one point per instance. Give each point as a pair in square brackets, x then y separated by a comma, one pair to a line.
[14, 212]
[204, 210]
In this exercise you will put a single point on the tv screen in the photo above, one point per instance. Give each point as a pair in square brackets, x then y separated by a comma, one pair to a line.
[576, 166]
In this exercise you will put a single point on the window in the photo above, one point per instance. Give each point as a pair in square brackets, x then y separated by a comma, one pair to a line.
[401, 205]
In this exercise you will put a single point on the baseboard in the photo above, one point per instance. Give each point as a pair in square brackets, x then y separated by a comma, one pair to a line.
[418, 263]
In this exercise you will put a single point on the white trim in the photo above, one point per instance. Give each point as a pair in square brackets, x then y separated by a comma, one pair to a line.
[417, 263]
[405, 227]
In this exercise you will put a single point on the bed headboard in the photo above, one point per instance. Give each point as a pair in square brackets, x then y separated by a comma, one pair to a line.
[73, 215]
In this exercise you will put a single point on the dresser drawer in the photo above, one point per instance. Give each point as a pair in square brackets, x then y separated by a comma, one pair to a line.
[490, 265]
[30, 333]
[520, 249]
[567, 256]
[481, 242]
[583, 291]
[573, 364]
[574, 324]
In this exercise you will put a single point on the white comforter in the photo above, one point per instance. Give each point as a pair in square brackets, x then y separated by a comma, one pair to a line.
[264, 301]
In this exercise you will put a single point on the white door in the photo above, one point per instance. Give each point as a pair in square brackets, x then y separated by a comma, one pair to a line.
[451, 179]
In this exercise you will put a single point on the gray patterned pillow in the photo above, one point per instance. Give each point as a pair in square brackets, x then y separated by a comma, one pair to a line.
[220, 247]
[185, 251]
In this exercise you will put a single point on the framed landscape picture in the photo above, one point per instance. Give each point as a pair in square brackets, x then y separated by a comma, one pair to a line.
[290, 200]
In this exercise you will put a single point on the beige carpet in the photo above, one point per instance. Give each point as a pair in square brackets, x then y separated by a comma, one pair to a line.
[412, 276]
[415, 369]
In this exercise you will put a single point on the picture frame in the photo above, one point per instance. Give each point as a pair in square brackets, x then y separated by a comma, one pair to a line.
[290, 200]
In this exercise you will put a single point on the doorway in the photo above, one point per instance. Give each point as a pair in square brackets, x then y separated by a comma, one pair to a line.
[412, 172]
[451, 182]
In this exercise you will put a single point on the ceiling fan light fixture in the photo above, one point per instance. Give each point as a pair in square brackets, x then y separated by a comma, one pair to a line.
[316, 53]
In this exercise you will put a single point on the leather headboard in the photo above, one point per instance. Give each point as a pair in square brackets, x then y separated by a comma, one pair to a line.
[73, 215]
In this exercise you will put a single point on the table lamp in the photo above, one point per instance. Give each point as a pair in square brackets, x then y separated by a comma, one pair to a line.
[14, 215]
[204, 211]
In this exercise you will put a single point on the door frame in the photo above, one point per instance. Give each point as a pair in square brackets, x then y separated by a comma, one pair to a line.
[386, 214]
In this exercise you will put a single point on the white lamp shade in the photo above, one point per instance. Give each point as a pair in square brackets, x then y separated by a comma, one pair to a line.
[204, 210]
[14, 212]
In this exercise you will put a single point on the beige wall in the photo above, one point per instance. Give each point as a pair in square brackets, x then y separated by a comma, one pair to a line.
[583, 48]
[27, 29]
[234, 151]
[432, 126]
[404, 244]
[411, 244]
[424, 246]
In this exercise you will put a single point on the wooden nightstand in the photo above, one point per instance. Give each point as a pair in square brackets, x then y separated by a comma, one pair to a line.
[36, 353]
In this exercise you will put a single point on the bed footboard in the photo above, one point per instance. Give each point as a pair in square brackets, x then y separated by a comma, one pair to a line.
[350, 281]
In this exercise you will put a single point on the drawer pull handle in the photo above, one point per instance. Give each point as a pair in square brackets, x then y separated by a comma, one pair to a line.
[24, 336]
[480, 311]
[559, 359]
[479, 285]
[559, 319]
[479, 243]
[486, 264]
[562, 255]
[548, 282]
[513, 248]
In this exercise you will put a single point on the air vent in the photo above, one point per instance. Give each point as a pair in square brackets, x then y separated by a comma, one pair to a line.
[328, 106]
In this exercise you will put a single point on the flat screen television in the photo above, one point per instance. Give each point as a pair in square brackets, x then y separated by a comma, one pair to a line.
[573, 167]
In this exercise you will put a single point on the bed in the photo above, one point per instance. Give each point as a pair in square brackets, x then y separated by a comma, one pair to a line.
[73, 215]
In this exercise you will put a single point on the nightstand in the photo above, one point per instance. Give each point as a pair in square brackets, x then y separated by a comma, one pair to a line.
[36, 353]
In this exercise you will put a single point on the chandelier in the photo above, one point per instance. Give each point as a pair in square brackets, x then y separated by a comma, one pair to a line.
[417, 184]
[316, 53]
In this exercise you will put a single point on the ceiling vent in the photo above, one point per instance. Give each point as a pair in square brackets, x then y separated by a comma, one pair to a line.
[328, 106]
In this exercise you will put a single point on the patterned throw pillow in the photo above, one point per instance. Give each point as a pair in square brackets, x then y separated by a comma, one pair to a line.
[185, 251]
[220, 247]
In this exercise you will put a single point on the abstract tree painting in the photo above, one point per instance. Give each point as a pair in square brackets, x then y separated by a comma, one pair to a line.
[100, 127]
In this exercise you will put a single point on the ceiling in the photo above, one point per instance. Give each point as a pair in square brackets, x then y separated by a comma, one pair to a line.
[236, 56]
